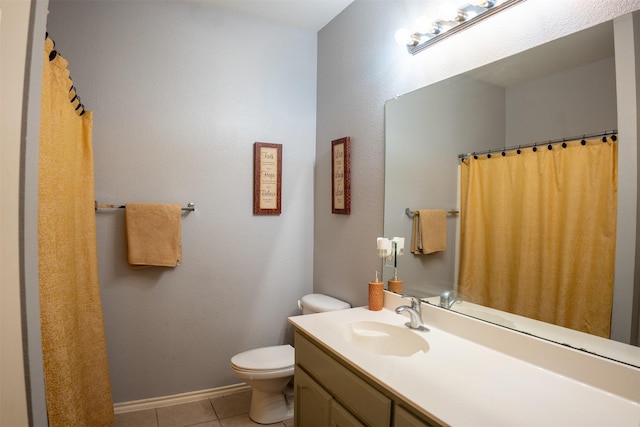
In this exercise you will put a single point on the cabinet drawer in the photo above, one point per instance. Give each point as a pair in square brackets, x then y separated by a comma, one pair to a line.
[365, 402]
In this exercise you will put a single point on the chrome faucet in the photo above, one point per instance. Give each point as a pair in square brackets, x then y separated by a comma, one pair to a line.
[415, 313]
[448, 298]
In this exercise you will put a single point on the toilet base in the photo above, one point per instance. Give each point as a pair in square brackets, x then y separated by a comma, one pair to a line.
[271, 407]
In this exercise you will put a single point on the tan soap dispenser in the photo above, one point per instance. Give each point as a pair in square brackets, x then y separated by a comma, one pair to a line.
[376, 294]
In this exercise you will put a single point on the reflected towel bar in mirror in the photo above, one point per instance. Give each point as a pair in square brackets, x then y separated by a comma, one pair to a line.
[411, 213]
[191, 206]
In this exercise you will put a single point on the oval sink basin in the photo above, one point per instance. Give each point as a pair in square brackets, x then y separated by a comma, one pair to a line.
[384, 339]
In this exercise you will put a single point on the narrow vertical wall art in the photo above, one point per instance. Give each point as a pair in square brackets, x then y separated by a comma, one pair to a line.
[341, 176]
[267, 178]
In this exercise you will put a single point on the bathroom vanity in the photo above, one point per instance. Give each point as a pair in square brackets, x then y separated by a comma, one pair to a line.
[358, 367]
[331, 392]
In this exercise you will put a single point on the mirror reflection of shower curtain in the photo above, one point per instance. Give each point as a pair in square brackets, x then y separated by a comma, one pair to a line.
[77, 386]
[538, 233]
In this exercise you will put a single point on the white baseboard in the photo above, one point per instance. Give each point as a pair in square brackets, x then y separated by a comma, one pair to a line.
[176, 399]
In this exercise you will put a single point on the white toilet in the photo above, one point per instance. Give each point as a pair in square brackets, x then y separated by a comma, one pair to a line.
[269, 370]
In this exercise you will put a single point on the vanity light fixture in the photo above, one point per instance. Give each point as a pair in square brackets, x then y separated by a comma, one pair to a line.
[428, 32]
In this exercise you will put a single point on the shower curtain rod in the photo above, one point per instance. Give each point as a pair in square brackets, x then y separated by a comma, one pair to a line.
[52, 55]
[549, 143]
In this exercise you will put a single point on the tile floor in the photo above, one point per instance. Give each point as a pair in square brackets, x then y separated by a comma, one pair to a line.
[227, 411]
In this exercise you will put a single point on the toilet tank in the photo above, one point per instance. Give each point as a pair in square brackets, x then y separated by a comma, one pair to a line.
[319, 303]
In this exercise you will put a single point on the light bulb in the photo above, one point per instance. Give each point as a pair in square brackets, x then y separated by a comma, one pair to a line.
[404, 37]
[448, 11]
[425, 25]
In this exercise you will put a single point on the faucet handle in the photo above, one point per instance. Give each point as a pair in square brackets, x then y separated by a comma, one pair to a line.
[415, 301]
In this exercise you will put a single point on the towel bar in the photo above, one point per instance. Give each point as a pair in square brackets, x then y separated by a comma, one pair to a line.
[411, 213]
[191, 206]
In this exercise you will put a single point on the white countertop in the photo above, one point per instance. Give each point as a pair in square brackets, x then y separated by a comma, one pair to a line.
[463, 383]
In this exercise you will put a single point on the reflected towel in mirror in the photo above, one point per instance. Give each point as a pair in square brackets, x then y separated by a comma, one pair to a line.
[429, 233]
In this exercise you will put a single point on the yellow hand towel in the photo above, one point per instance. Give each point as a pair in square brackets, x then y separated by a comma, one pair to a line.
[153, 234]
[429, 233]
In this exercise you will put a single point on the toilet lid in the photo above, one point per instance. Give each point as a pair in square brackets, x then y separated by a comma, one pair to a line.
[265, 358]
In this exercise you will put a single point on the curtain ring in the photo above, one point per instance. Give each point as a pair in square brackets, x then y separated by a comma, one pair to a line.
[518, 150]
[488, 155]
[535, 147]
[614, 138]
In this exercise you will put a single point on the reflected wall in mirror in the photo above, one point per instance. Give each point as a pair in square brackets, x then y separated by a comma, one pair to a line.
[563, 88]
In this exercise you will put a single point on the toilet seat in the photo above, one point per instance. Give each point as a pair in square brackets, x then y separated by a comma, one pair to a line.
[271, 374]
[274, 358]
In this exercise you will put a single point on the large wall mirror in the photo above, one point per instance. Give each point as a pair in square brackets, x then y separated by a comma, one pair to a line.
[561, 89]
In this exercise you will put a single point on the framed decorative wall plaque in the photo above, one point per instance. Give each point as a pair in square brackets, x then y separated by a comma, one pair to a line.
[340, 176]
[267, 178]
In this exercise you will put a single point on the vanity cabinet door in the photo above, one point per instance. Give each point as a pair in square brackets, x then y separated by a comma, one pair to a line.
[403, 418]
[365, 402]
[340, 417]
[312, 402]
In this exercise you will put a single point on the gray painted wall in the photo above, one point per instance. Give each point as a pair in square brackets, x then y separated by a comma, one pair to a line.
[573, 102]
[180, 92]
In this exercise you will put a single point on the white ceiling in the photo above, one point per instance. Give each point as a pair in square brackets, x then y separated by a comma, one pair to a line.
[310, 15]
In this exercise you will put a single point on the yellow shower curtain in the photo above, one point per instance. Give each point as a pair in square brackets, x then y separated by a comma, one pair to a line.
[538, 233]
[77, 387]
